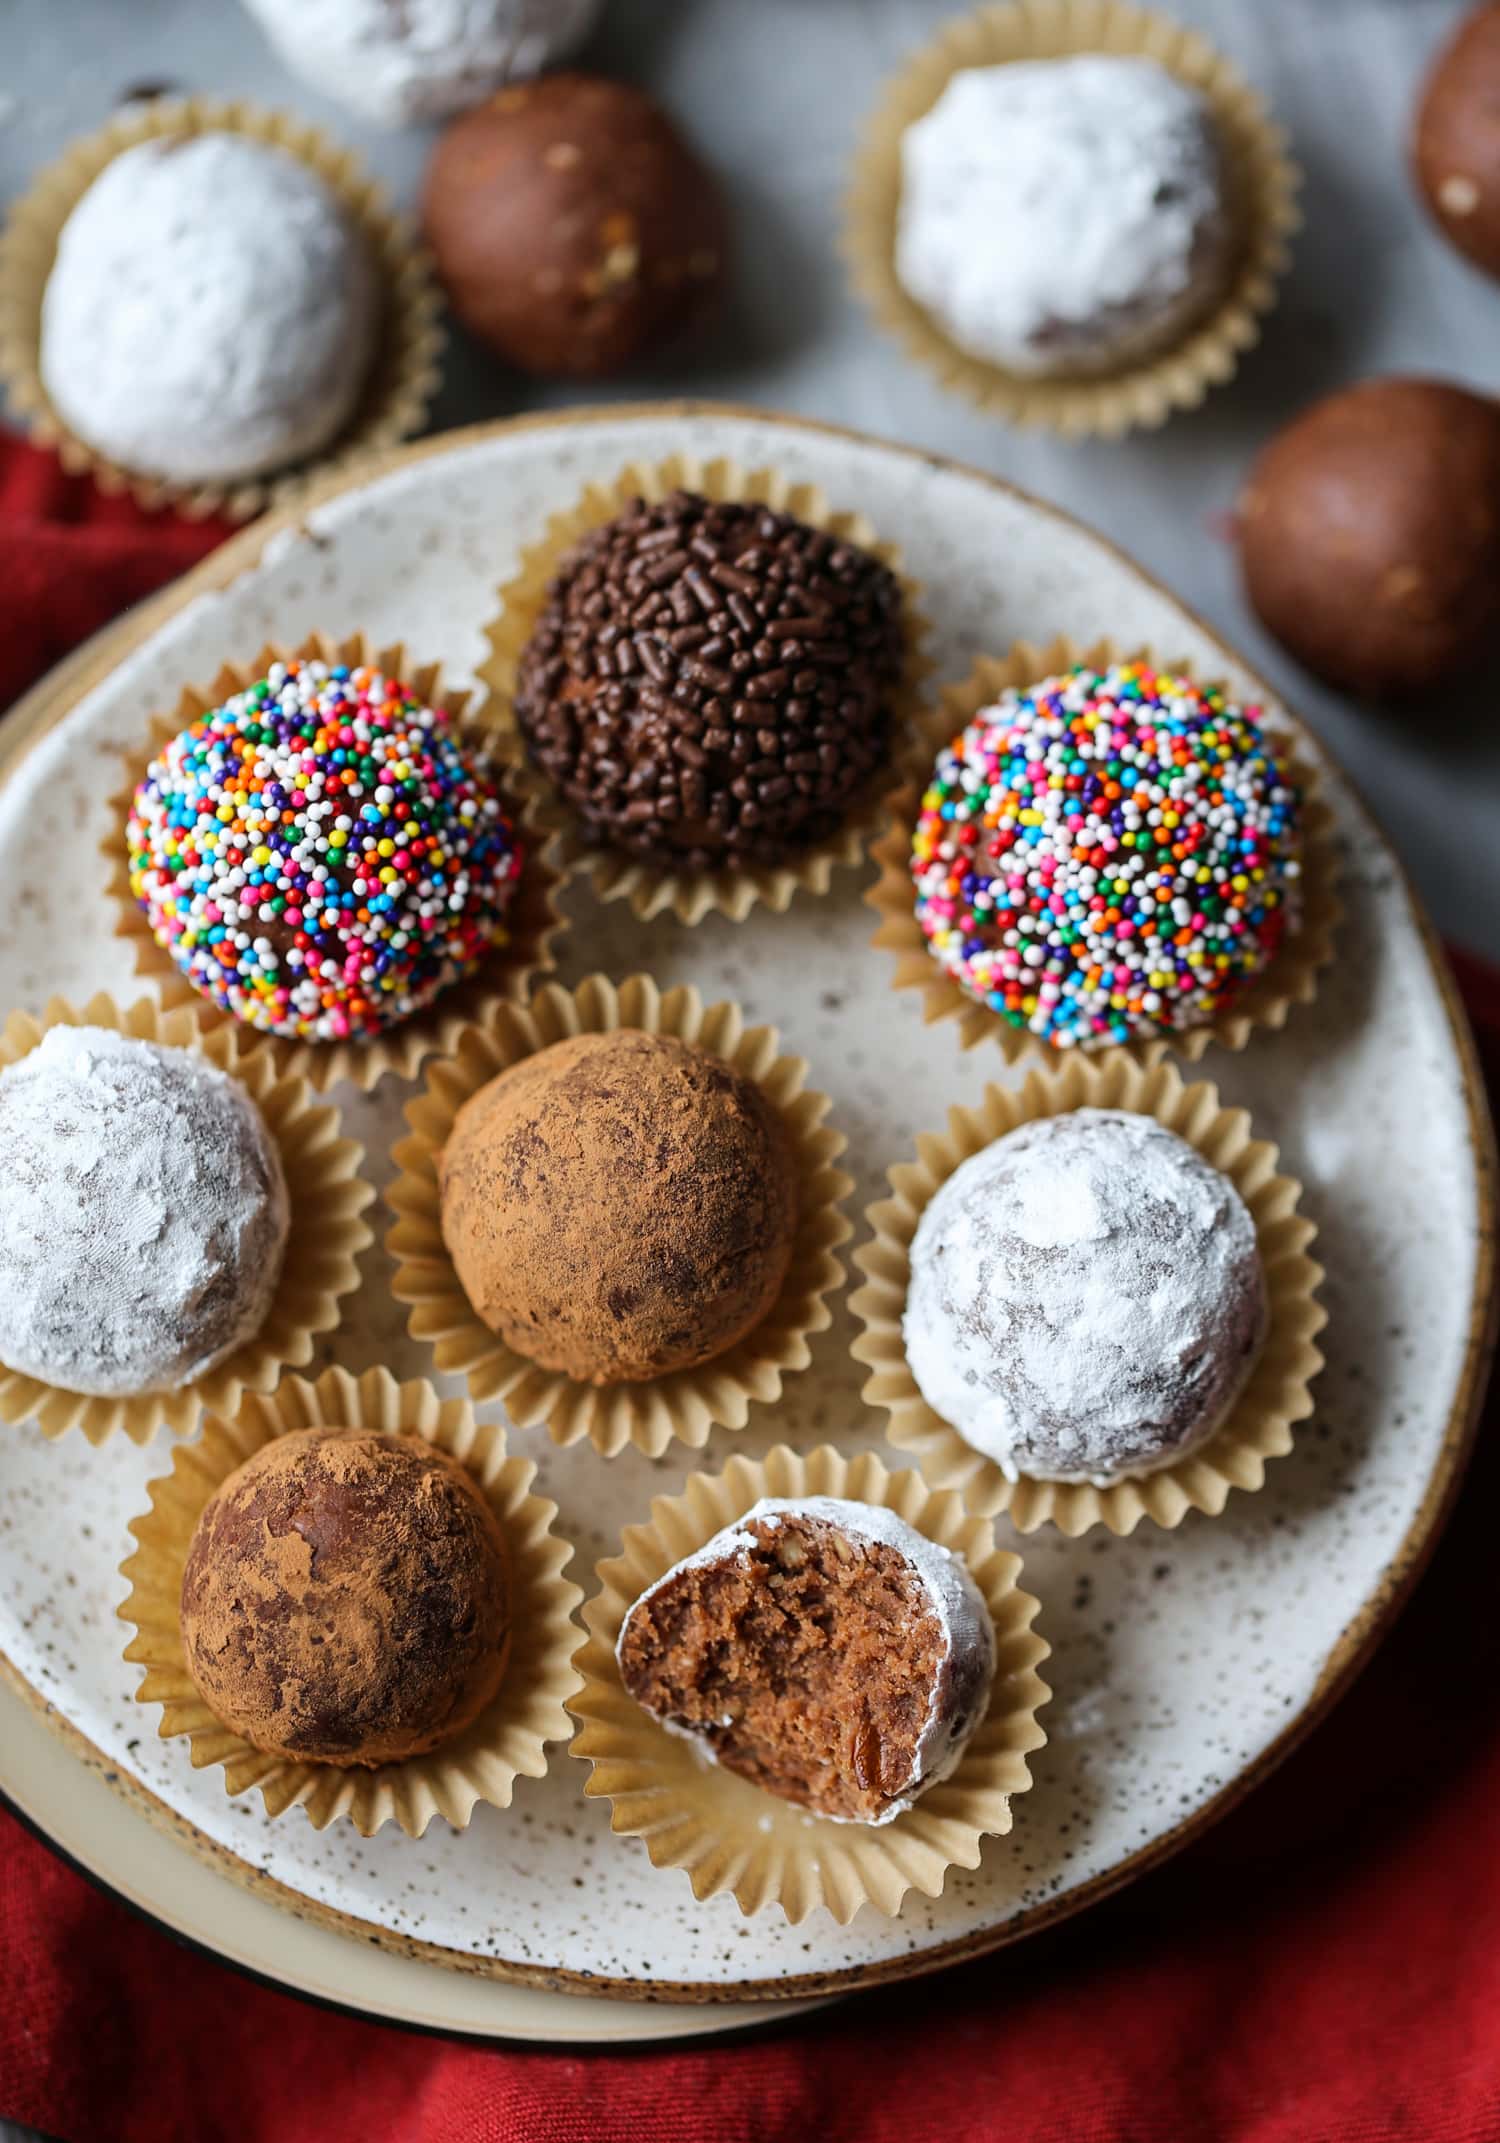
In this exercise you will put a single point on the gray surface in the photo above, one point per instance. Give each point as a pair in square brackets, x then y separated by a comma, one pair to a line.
[775, 90]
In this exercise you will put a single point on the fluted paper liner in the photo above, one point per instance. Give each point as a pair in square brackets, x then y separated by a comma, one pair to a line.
[1263, 183]
[1289, 978]
[651, 888]
[324, 1242]
[404, 366]
[731, 1835]
[685, 1403]
[532, 921]
[1276, 1393]
[509, 1738]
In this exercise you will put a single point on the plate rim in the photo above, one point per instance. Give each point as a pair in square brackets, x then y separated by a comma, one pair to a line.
[191, 1914]
[53, 699]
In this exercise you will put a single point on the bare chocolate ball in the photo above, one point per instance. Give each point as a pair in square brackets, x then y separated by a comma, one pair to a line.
[573, 227]
[1369, 535]
[346, 1598]
[619, 1205]
[710, 683]
[1456, 146]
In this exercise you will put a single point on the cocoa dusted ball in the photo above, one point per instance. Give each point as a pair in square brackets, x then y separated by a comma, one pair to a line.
[574, 228]
[619, 1205]
[710, 683]
[346, 1598]
[1369, 535]
[1456, 146]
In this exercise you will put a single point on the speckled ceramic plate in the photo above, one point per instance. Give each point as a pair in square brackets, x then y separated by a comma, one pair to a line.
[1184, 1664]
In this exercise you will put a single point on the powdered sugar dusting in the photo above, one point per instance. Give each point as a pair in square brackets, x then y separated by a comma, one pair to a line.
[144, 1218]
[402, 61]
[1064, 215]
[961, 1689]
[211, 314]
[1086, 1298]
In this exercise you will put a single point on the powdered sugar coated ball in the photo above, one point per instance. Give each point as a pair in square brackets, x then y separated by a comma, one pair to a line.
[402, 61]
[823, 1649]
[144, 1218]
[1064, 216]
[211, 313]
[1086, 1298]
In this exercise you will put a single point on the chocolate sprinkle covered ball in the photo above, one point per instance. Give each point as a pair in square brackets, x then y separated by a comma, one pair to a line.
[345, 1599]
[323, 854]
[710, 683]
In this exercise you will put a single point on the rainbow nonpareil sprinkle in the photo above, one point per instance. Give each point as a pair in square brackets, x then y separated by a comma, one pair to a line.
[1107, 855]
[322, 854]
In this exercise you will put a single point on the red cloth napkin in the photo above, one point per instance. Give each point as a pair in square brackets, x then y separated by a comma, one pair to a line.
[71, 559]
[1322, 1968]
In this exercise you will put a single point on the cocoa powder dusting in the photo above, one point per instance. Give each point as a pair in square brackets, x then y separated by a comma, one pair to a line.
[346, 1598]
[619, 1205]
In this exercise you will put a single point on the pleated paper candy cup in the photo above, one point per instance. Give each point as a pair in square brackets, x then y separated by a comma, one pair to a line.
[532, 921]
[1263, 183]
[405, 367]
[326, 1237]
[482, 1762]
[684, 1403]
[1264, 1004]
[652, 889]
[1277, 1392]
[728, 1834]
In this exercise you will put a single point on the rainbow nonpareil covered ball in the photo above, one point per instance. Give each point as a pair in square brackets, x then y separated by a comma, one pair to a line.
[322, 854]
[1107, 855]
